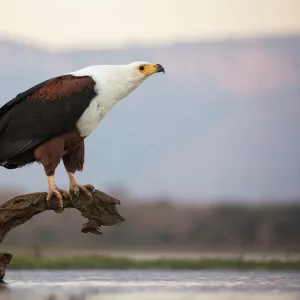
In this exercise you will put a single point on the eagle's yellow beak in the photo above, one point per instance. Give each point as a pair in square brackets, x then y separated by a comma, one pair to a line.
[149, 69]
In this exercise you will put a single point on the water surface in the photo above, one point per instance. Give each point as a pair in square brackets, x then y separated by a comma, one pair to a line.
[151, 284]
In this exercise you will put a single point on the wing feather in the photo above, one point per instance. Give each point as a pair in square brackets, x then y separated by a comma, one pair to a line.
[43, 112]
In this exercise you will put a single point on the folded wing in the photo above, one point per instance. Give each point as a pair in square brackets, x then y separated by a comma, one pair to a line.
[45, 111]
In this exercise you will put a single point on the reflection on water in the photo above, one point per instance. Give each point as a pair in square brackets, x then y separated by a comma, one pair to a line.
[115, 285]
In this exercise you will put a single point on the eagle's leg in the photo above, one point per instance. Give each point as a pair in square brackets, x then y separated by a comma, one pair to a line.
[49, 155]
[55, 191]
[74, 161]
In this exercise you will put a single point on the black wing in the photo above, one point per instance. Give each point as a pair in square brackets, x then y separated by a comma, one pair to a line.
[43, 112]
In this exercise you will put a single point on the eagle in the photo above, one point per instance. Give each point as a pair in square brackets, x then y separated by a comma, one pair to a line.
[50, 121]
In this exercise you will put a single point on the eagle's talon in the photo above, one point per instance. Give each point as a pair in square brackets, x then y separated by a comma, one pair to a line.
[59, 210]
[83, 188]
[90, 187]
[76, 189]
[54, 191]
[65, 194]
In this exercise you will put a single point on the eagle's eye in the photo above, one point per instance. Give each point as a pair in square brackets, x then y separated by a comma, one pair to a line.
[141, 68]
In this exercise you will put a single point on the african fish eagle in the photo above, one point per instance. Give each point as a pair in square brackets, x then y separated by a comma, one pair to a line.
[51, 120]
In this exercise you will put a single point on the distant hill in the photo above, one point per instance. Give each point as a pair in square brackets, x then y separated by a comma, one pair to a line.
[164, 226]
[223, 123]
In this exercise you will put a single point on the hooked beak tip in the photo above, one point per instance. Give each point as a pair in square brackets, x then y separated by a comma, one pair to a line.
[159, 68]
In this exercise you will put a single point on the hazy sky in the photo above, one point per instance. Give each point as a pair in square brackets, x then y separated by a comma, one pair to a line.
[107, 23]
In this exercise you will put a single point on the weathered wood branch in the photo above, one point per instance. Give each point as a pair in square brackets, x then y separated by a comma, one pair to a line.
[100, 210]
[5, 259]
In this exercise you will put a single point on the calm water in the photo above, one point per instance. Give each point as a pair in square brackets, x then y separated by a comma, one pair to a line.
[167, 285]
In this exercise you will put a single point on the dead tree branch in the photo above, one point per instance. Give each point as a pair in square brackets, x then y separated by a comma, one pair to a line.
[5, 259]
[100, 211]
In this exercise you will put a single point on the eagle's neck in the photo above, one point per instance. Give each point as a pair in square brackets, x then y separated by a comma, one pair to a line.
[116, 85]
[112, 84]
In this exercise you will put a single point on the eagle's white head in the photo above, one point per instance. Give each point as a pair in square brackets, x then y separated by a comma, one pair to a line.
[112, 83]
[117, 81]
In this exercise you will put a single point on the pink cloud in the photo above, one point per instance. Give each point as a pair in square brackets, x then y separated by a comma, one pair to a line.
[243, 71]
[254, 71]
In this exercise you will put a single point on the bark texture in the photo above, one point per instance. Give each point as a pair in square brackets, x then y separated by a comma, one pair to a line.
[100, 210]
[5, 259]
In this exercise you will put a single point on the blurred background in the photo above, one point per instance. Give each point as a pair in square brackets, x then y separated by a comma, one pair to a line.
[204, 159]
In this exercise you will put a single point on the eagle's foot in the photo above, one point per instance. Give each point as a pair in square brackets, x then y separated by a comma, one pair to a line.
[75, 189]
[60, 194]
